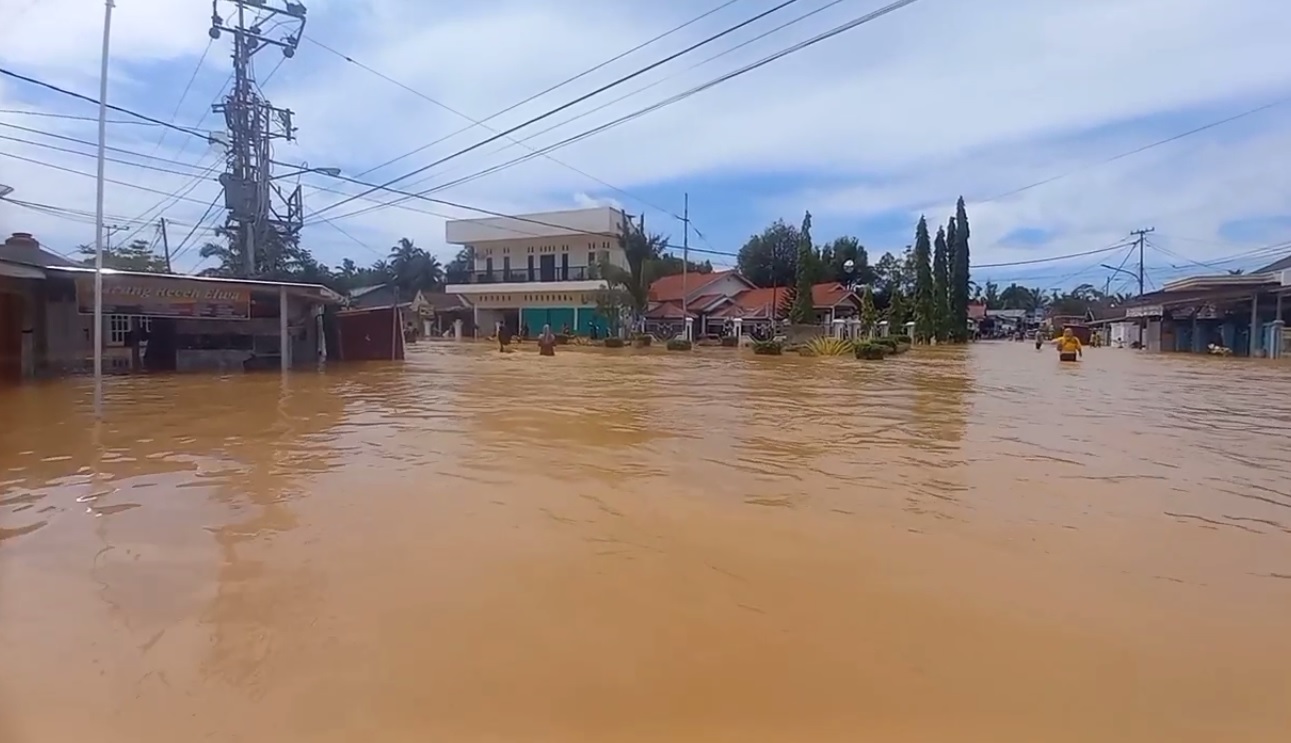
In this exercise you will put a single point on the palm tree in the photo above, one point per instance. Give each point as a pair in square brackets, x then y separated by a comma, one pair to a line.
[643, 253]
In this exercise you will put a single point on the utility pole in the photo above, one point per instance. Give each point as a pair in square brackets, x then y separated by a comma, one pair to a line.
[261, 216]
[165, 243]
[1140, 239]
[108, 232]
[685, 252]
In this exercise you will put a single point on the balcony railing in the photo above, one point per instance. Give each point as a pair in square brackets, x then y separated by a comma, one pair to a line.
[524, 276]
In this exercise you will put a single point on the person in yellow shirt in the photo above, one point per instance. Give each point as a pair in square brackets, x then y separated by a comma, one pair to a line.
[1069, 348]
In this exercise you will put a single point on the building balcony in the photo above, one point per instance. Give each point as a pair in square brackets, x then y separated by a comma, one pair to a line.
[524, 276]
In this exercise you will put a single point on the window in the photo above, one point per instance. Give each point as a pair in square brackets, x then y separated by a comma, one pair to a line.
[119, 327]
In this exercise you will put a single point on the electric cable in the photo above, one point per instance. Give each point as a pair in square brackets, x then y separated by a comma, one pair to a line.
[868, 17]
[540, 93]
[576, 101]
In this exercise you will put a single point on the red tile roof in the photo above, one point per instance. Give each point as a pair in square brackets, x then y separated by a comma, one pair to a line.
[669, 288]
[667, 311]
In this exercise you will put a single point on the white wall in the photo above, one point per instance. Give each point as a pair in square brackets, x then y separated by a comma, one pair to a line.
[601, 220]
[727, 286]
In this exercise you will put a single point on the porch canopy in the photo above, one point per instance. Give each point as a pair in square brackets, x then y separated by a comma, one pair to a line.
[1207, 294]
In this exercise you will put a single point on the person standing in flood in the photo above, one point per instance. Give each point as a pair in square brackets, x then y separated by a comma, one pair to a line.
[546, 342]
[504, 337]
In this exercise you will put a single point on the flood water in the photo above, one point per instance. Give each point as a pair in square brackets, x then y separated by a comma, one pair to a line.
[961, 544]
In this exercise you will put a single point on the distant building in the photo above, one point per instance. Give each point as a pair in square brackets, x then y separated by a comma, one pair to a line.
[538, 269]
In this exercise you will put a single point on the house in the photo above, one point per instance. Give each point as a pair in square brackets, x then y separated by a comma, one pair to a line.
[1239, 312]
[539, 269]
[721, 296]
[152, 321]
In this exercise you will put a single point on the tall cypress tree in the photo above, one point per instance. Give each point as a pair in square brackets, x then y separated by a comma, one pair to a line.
[804, 310]
[959, 278]
[941, 288]
[924, 306]
[868, 315]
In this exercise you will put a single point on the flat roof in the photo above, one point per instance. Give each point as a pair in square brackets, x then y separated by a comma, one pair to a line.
[253, 284]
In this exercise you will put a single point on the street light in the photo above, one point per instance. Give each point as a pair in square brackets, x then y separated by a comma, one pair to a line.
[5, 190]
[304, 168]
[1118, 270]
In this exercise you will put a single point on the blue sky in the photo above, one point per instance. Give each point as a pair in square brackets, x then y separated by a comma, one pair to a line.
[869, 130]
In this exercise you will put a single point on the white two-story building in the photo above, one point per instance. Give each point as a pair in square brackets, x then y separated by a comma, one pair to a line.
[539, 269]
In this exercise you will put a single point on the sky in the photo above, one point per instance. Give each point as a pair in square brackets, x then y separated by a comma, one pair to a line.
[1025, 108]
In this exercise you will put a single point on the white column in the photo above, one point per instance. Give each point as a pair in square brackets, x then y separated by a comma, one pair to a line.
[738, 326]
[457, 329]
[575, 328]
[690, 329]
[476, 323]
[284, 339]
[322, 336]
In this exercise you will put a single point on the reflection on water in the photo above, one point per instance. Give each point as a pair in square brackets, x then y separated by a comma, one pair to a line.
[958, 544]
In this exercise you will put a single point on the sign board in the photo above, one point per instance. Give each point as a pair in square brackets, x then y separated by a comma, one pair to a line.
[1150, 310]
[165, 297]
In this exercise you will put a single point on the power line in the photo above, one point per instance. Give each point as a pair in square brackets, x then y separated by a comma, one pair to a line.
[88, 143]
[1137, 150]
[871, 16]
[71, 117]
[481, 124]
[580, 115]
[576, 101]
[184, 95]
[88, 99]
[70, 151]
[540, 93]
[91, 175]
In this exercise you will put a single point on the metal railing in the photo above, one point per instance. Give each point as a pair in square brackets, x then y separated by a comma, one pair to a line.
[523, 276]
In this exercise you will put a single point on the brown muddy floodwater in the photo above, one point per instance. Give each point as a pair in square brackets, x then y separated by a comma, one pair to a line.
[955, 545]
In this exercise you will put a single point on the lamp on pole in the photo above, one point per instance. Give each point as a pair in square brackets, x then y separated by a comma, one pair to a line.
[304, 168]
[98, 212]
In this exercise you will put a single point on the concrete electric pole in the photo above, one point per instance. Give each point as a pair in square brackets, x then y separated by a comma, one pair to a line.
[1141, 237]
[261, 215]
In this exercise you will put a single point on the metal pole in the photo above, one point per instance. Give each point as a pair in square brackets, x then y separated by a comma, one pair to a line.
[98, 213]
[284, 338]
[165, 245]
[685, 255]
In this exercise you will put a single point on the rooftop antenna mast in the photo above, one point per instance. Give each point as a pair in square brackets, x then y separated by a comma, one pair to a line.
[261, 216]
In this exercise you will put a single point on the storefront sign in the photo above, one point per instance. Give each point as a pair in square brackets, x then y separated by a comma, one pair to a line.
[165, 298]
[1151, 310]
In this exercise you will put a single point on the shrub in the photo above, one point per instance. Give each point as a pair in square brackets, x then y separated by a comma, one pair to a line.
[827, 346]
[902, 339]
[641, 340]
[768, 348]
[870, 351]
[887, 344]
[613, 342]
[678, 344]
[730, 341]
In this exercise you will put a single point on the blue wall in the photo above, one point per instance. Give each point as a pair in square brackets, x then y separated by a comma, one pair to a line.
[560, 317]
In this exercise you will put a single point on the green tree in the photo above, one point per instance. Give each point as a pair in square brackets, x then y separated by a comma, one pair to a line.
[959, 273]
[869, 316]
[413, 269]
[941, 288]
[924, 306]
[897, 312]
[834, 257]
[138, 255]
[633, 283]
[771, 258]
[992, 296]
[804, 311]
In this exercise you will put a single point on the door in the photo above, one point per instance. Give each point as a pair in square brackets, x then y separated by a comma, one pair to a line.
[564, 266]
[11, 311]
[546, 268]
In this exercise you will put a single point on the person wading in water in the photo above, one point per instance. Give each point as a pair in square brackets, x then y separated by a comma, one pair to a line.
[546, 342]
[504, 338]
[1069, 348]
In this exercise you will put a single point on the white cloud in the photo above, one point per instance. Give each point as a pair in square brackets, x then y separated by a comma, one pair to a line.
[935, 100]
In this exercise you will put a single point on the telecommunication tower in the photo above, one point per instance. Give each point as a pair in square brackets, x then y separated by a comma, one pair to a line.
[260, 213]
